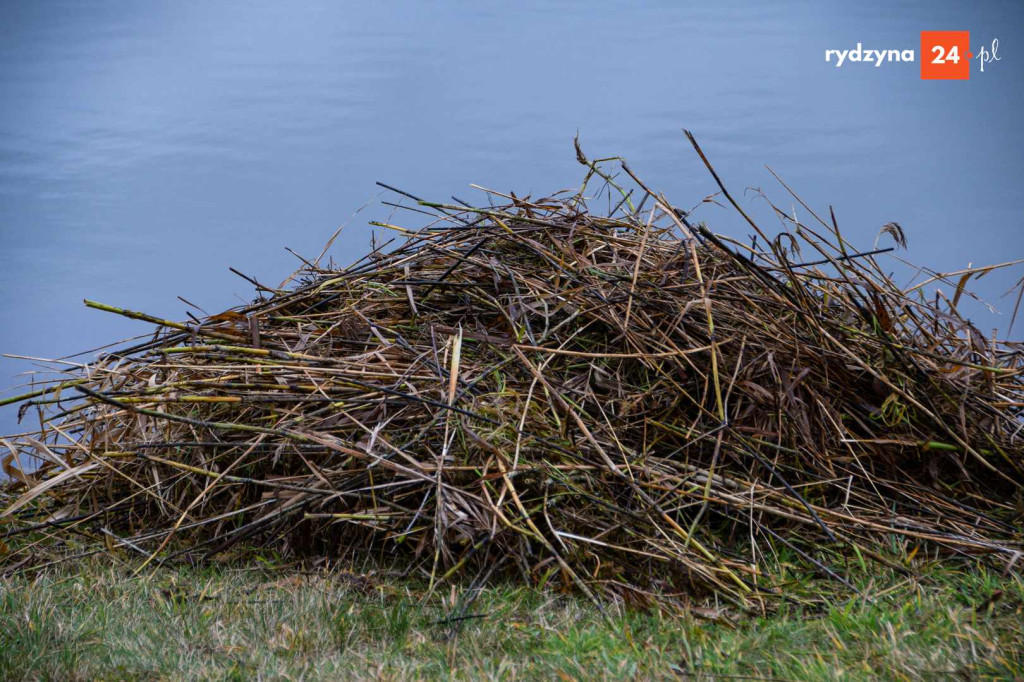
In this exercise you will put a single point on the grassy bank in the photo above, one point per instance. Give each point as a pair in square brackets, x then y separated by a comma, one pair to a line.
[764, 460]
[100, 622]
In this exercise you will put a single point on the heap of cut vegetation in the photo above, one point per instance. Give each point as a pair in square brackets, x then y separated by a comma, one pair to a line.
[620, 400]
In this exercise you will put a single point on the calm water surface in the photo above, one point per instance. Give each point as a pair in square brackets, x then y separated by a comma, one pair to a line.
[145, 147]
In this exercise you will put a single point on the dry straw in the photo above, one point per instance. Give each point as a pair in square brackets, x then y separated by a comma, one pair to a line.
[620, 400]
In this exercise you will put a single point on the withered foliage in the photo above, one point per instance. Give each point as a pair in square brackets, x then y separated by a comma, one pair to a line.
[619, 399]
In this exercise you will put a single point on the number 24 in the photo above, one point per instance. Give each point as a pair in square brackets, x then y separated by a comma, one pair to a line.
[952, 55]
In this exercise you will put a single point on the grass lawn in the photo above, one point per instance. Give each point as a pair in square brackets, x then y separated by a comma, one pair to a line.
[97, 621]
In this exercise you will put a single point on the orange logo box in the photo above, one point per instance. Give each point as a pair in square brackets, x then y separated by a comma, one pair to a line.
[946, 55]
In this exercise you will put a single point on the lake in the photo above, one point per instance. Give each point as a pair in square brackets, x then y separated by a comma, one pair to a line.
[147, 147]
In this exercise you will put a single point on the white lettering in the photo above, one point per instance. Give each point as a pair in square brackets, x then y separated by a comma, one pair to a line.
[877, 57]
[986, 57]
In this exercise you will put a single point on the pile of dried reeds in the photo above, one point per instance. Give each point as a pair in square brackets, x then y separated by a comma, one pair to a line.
[624, 400]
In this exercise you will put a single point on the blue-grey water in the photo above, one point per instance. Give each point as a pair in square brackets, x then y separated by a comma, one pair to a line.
[145, 147]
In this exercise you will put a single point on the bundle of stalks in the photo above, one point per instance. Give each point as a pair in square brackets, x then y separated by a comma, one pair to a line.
[624, 401]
